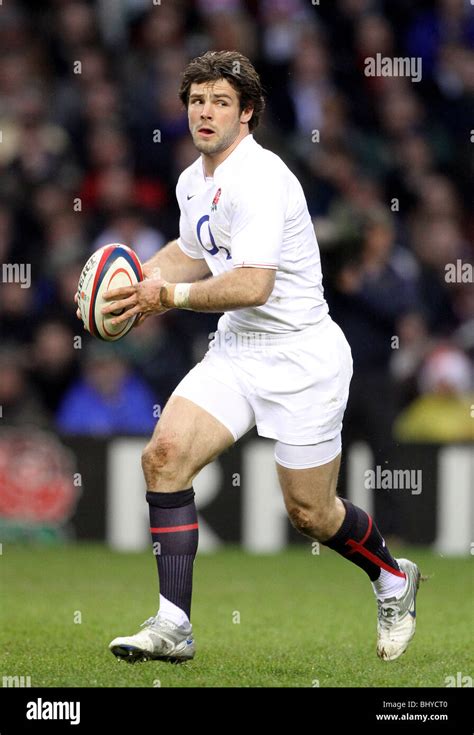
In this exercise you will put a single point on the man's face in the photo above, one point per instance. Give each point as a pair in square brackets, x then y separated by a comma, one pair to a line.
[214, 116]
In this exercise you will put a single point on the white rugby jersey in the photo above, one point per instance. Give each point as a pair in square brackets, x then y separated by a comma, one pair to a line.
[253, 213]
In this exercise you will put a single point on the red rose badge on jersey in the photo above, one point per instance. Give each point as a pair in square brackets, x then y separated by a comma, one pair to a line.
[215, 200]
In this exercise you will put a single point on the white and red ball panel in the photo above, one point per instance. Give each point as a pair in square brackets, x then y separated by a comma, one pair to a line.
[112, 266]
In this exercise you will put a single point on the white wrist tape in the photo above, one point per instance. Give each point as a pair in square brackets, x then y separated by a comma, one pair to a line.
[181, 295]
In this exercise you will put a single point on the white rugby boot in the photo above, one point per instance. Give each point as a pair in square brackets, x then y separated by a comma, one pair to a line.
[159, 640]
[396, 617]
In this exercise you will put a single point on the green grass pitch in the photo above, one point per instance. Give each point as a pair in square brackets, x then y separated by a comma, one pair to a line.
[288, 620]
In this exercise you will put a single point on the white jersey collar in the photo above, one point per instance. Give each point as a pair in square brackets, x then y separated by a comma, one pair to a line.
[236, 154]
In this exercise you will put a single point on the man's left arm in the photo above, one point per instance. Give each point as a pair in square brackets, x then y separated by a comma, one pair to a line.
[236, 289]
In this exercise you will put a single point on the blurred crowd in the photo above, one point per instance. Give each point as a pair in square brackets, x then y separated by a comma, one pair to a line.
[94, 138]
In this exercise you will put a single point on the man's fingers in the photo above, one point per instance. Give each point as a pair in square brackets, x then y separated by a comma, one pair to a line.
[120, 293]
[76, 297]
[121, 304]
[78, 314]
[126, 315]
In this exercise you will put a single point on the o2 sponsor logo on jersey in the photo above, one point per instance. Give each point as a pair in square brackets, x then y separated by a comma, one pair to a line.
[211, 248]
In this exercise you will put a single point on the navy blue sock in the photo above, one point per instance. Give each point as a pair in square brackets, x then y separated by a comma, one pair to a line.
[174, 531]
[359, 540]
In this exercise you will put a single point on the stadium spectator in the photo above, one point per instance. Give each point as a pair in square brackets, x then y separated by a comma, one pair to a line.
[108, 399]
[450, 21]
[20, 404]
[443, 412]
[360, 303]
[18, 320]
[408, 355]
[53, 364]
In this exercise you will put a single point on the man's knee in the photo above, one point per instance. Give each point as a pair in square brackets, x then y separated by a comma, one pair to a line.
[163, 457]
[312, 522]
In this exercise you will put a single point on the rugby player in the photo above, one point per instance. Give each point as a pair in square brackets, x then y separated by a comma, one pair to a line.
[247, 248]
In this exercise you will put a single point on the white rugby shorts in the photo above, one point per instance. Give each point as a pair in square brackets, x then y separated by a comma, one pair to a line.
[294, 387]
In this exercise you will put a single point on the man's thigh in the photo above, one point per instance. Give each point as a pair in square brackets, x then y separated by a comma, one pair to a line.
[312, 488]
[187, 434]
[213, 385]
[300, 389]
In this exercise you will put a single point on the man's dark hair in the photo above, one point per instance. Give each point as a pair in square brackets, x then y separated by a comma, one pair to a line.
[236, 69]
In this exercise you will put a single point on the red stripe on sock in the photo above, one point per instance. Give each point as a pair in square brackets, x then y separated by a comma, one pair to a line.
[367, 534]
[356, 546]
[174, 529]
[369, 529]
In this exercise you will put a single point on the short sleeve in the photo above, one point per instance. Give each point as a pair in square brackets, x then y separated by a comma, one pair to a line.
[257, 224]
[186, 240]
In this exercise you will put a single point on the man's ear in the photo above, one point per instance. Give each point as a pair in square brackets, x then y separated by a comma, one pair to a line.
[246, 115]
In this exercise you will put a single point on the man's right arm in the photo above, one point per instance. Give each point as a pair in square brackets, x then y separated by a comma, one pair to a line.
[175, 266]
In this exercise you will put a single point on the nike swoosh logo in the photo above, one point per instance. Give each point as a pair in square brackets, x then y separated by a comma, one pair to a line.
[190, 197]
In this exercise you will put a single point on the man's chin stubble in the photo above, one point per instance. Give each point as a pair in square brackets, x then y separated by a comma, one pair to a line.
[210, 149]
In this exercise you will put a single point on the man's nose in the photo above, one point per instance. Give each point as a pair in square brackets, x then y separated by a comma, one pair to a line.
[206, 110]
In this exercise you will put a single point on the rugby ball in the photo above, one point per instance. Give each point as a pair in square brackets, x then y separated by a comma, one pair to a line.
[112, 266]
